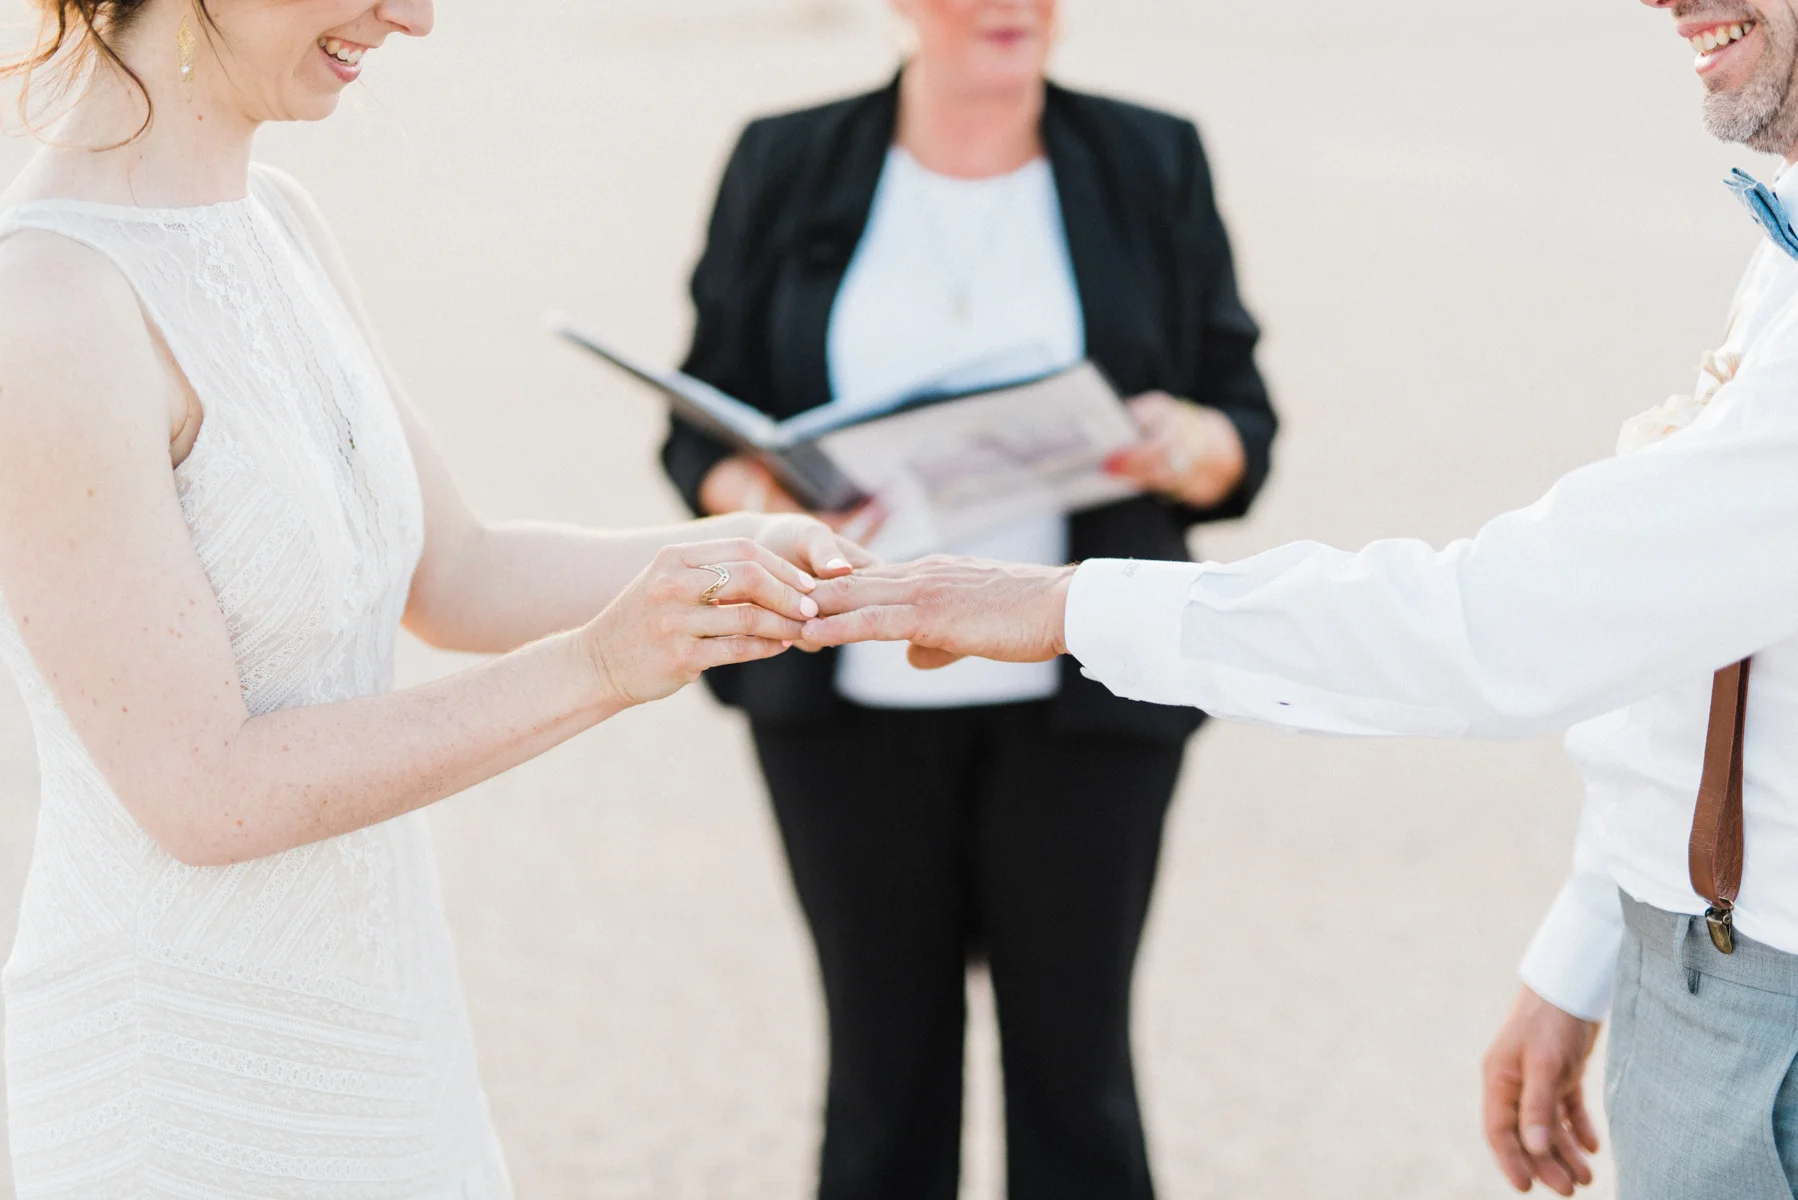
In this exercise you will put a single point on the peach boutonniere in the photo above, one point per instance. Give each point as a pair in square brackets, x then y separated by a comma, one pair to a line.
[1664, 420]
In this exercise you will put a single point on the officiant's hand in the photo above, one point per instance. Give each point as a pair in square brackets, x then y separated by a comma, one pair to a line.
[741, 484]
[1189, 453]
[948, 608]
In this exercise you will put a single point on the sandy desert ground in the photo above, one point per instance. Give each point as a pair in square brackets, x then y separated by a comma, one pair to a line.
[1478, 237]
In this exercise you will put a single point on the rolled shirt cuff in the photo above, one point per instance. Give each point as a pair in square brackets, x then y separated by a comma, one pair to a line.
[1123, 624]
[1572, 960]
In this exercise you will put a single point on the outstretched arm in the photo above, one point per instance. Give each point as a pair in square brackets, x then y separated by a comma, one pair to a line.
[110, 599]
[1632, 575]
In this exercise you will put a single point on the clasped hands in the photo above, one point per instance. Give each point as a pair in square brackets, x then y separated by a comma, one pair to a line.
[946, 607]
[765, 583]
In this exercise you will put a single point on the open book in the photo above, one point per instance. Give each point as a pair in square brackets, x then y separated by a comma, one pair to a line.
[946, 467]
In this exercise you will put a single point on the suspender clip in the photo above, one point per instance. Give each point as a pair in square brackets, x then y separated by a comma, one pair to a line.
[1721, 923]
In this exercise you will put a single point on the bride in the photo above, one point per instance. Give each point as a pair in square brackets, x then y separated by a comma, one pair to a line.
[232, 975]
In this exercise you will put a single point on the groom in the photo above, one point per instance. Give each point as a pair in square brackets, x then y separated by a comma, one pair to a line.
[1606, 606]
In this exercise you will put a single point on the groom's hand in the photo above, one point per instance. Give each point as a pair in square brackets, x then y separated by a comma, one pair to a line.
[948, 608]
[1536, 1118]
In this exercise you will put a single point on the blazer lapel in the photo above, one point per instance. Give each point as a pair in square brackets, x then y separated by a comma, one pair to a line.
[843, 172]
[1112, 302]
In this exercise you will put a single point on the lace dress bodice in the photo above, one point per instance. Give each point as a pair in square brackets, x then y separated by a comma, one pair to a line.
[290, 1027]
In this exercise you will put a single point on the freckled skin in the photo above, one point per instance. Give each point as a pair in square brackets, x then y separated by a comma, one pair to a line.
[457, 732]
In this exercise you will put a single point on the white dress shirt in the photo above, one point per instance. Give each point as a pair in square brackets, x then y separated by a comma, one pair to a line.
[957, 284]
[1606, 606]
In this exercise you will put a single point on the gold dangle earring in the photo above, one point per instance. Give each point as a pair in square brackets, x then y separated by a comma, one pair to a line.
[184, 50]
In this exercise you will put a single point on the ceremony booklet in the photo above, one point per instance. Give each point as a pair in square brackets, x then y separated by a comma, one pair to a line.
[944, 467]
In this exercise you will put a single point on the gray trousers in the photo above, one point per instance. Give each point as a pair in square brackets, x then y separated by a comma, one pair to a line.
[1699, 1084]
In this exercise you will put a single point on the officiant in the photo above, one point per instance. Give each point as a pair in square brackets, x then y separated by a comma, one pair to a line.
[967, 225]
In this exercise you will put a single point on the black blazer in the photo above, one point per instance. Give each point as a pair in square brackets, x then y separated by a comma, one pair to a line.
[1153, 267]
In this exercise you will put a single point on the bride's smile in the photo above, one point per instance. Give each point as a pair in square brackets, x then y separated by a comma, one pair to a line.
[343, 58]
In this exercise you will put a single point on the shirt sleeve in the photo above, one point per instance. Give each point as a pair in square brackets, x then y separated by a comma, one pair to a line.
[1572, 960]
[1631, 575]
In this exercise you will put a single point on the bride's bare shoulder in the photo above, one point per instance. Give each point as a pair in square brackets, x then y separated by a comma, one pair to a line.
[72, 335]
[55, 291]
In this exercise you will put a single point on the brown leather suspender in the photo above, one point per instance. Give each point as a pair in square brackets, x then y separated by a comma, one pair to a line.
[1714, 854]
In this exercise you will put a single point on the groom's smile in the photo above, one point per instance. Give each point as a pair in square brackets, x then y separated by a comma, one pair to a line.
[1747, 59]
[1719, 43]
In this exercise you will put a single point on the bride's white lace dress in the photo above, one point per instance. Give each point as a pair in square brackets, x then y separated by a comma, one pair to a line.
[291, 1027]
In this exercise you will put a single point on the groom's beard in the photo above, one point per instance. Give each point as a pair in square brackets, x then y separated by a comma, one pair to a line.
[1762, 113]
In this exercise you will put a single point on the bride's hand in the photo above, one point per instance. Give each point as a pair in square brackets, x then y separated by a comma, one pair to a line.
[680, 618]
[808, 543]
[814, 545]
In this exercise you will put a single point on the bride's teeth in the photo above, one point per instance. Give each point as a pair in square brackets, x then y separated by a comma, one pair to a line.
[348, 55]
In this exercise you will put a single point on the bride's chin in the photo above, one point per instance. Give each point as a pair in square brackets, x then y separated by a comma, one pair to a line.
[316, 105]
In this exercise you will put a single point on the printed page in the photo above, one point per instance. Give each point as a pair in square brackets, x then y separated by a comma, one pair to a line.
[951, 470]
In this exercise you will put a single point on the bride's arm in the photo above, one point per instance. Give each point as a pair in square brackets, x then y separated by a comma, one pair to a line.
[100, 574]
[492, 586]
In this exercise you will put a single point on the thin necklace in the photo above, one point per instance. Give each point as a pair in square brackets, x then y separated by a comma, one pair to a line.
[961, 276]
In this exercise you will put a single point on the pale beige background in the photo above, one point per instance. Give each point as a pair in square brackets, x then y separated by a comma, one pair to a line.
[1479, 238]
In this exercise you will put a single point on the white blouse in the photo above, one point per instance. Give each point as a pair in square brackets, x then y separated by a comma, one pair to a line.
[956, 284]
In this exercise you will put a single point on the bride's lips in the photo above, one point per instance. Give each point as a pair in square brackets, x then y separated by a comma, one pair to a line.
[1007, 39]
[342, 57]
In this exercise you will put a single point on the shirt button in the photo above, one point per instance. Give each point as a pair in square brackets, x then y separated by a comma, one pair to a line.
[1130, 569]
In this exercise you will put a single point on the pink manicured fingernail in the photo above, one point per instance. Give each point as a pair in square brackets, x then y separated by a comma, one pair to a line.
[808, 606]
[837, 564]
[1536, 1139]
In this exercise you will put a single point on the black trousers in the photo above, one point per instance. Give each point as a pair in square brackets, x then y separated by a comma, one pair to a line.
[917, 838]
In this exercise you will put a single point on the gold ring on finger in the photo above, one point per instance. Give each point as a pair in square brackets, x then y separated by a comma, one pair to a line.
[710, 595]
